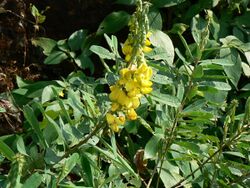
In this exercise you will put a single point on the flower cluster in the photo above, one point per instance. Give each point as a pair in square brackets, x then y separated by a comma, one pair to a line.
[127, 49]
[134, 80]
[126, 93]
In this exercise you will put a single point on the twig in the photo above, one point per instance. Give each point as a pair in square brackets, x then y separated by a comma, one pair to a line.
[77, 146]
[179, 184]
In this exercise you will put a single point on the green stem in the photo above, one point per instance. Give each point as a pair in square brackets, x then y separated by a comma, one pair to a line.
[105, 65]
[77, 146]
[186, 46]
[223, 145]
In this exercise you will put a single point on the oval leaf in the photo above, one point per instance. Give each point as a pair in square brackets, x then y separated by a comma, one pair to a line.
[113, 22]
[55, 58]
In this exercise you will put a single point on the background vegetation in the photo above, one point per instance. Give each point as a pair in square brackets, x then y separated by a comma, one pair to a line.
[191, 131]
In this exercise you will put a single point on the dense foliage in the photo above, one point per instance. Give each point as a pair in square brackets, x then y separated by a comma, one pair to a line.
[185, 66]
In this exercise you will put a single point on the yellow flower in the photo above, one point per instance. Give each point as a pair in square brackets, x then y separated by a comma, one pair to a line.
[115, 106]
[127, 57]
[134, 93]
[61, 94]
[124, 72]
[149, 34]
[146, 90]
[131, 114]
[127, 48]
[122, 98]
[136, 102]
[114, 127]
[131, 85]
[149, 73]
[142, 68]
[147, 49]
[120, 120]
[147, 42]
[110, 118]
[146, 83]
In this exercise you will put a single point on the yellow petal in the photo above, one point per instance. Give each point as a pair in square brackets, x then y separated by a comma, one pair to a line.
[110, 118]
[128, 57]
[114, 127]
[134, 93]
[131, 114]
[146, 83]
[131, 85]
[123, 72]
[142, 68]
[61, 94]
[149, 34]
[149, 73]
[147, 42]
[146, 90]
[136, 102]
[147, 49]
[127, 49]
[115, 106]
[120, 120]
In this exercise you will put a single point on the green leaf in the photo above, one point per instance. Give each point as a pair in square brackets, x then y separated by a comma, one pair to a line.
[246, 69]
[145, 124]
[113, 43]
[222, 62]
[246, 87]
[87, 170]
[56, 127]
[190, 146]
[162, 79]
[166, 3]
[159, 53]
[47, 94]
[46, 44]
[76, 39]
[33, 181]
[235, 171]
[247, 111]
[217, 85]
[165, 99]
[31, 118]
[113, 22]
[155, 19]
[162, 40]
[170, 174]
[234, 153]
[198, 28]
[68, 165]
[6, 151]
[20, 145]
[195, 106]
[233, 72]
[198, 72]
[37, 15]
[55, 58]
[102, 52]
[214, 25]
[83, 61]
[151, 148]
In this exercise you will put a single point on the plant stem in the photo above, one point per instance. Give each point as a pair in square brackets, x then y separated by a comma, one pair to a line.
[171, 136]
[105, 65]
[223, 145]
[186, 45]
[77, 146]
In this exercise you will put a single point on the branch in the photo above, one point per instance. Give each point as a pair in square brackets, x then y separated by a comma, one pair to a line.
[77, 146]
